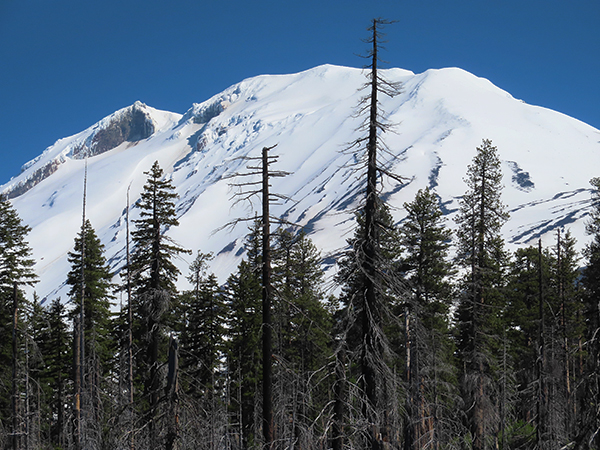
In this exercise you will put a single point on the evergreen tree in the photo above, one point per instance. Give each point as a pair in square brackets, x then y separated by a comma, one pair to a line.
[154, 281]
[202, 338]
[431, 388]
[589, 426]
[425, 241]
[97, 291]
[91, 277]
[528, 268]
[16, 270]
[56, 352]
[16, 265]
[303, 329]
[244, 298]
[565, 328]
[480, 250]
[303, 320]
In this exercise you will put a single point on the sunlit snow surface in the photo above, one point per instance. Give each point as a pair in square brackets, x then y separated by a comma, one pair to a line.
[440, 117]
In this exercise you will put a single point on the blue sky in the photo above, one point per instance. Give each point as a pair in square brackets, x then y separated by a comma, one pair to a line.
[65, 64]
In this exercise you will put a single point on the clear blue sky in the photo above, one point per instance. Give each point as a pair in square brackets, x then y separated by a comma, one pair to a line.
[65, 64]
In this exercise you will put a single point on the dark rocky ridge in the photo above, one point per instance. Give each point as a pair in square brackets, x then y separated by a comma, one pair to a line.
[37, 176]
[132, 125]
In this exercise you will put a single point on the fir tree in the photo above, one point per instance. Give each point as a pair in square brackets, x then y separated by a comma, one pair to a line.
[480, 250]
[154, 280]
[16, 265]
[97, 293]
[528, 268]
[202, 339]
[244, 298]
[16, 271]
[303, 329]
[565, 328]
[54, 344]
[91, 277]
[431, 392]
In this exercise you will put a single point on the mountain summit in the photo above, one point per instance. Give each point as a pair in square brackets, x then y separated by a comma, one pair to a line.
[440, 117]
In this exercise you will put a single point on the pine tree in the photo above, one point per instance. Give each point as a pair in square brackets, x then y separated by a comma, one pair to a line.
[480, 250]
[56, 352]
[97, 294]
[431, 392]
[16, 271]
[154, 280]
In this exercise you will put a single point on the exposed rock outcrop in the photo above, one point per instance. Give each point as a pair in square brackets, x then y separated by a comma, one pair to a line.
[37, 176]
[130, 124]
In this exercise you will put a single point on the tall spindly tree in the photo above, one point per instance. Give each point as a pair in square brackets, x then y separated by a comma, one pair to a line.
[91, 278]
[369, 152]
[480, 251]
[154, 280]
[16, 271]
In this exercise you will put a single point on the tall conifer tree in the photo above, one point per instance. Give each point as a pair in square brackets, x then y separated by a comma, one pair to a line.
[244, 349]
[154, 280]
[97, 290]
[203, 338]
[91, 277]
[481, 252]
[431, 392]
[16, 271]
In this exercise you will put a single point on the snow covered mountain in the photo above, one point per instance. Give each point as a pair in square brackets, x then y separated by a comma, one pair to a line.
[441, 116]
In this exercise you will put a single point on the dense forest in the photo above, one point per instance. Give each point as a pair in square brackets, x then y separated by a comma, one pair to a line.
[425, 339]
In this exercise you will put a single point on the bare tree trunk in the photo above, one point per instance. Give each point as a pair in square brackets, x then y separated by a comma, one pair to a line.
[268, 426]
[172, 397]
[541, 364]
[369, 301]
[27, 406]
[15, 397]
[129, 333]
[338, 406]
[411, 428]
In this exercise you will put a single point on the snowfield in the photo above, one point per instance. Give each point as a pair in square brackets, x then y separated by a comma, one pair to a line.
[440, 117]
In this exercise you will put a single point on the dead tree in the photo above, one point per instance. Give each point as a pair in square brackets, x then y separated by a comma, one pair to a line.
[15, 396]
[79, 347]
[172, 396]
[371, 148]
[129, 334]
[248, 190]
[542, 400]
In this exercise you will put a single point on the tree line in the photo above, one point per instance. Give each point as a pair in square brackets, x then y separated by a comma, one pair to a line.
[485, 349]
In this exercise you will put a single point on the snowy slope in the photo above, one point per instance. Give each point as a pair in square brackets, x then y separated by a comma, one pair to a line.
[441, 116]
